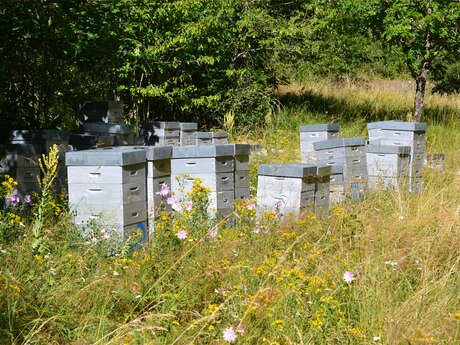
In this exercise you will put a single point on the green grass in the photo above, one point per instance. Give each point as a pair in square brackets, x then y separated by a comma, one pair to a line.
[284, 286]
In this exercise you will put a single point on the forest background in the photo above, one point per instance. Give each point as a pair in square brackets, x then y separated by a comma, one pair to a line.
[211, 61]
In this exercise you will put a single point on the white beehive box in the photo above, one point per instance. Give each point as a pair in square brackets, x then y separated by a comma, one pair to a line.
[313, 133]
[349, 153]
[213, 164]
[288, 188]
[109, 183]
[399, 133]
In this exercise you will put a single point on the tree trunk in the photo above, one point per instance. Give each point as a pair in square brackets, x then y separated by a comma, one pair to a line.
[420, 83]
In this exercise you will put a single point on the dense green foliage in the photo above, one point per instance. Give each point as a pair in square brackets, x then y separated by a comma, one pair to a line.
[198, 60]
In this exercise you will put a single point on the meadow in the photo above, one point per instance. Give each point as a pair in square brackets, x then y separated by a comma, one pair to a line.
[383, 271]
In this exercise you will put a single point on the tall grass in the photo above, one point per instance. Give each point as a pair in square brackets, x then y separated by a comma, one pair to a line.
[281, 284]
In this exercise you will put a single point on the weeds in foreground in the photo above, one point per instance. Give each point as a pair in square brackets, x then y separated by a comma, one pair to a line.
[383, 271]
[379, 272]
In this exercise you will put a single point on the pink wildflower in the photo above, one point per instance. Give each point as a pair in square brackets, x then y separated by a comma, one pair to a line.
[14, 199]
[182, 235]
[251, 206]
[27, 198]
[240, 329]
[164, 190]
[229, 335]
[348, 277]
[188, 205]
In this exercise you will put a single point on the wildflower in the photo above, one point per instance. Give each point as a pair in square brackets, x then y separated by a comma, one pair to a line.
[348, 277]
[188, 205]
[220, 292]
[171, 201]
[357, 274]
[182, 235]
[251, 206]
[392, 263]
[105, 234]
[376, 338]
[213, 233]
[53, 271]
[164, 190]
[115, 273]
[14, 199]
[28, 198]
[256, 230]
[240, 329]
[229, 335]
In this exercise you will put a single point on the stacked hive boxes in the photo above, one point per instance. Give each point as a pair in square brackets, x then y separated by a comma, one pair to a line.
[293, 188]
[435, 160]
[104, 111]
[26, 147]
[322, 190]
[387, 166]
[349, 153]
[104, 120]
[219, 137]
[161, 133]
[158, 174]
[313, 133]
[23, 164]
[336, 188]
[211, 138]
[241, 154]
[213, 165]
[188, 133]
[109, 183]
[398, 133]
[204, 138]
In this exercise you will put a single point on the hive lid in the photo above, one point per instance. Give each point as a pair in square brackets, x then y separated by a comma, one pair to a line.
[188, 126]
[388, 149]
[398, 126]
[161, 125]
[203, 151]
[110, 156]
[152, 153]
[288, 170]
[329, 127]
[112, 128]
[339, 142]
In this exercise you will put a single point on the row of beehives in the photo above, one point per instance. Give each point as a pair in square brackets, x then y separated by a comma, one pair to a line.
[127, 186]
[26, 146]
[103, 125]
[394, 155]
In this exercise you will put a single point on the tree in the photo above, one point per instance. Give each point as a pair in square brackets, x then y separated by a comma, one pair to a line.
[423, 29]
